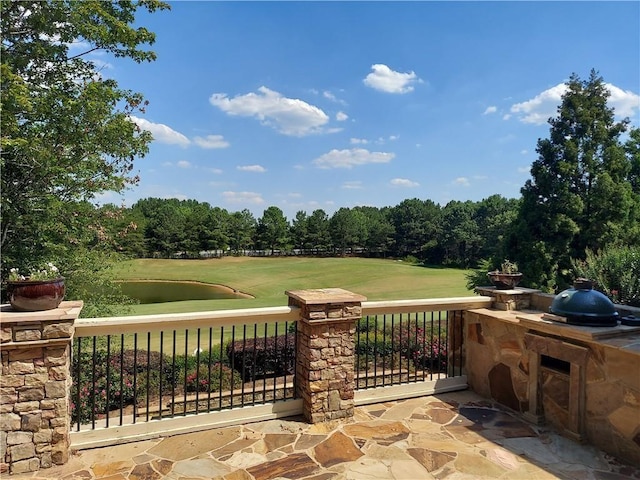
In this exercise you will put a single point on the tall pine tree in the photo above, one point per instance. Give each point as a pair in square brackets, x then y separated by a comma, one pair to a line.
[581, 194]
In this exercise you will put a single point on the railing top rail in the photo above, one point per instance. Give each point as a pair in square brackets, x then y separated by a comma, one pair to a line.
[168, 321]
[149, 323]
[425, 305]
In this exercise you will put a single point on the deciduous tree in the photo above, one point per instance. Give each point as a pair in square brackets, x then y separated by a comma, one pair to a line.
[66, 132]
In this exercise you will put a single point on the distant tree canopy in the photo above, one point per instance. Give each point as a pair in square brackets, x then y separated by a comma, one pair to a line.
[458, 234]
[584, 192]
[66, 133]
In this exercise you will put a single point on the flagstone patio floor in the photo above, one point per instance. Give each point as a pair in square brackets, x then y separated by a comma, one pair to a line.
[451, 436]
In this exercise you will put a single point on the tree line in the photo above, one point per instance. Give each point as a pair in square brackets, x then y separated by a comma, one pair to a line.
[457, 234]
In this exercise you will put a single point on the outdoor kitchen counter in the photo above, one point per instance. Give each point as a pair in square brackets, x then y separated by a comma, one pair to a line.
[620, 336]
[585, 381]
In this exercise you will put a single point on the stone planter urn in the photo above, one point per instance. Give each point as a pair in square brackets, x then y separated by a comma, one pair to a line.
[35, 295]
[504, 281]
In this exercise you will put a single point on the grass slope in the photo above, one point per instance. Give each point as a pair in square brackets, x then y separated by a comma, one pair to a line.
[268, 278]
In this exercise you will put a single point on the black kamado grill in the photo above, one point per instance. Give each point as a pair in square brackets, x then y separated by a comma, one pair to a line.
[582, 305]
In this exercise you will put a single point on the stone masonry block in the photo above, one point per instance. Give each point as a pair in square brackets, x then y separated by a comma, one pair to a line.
[55, 356]
[31, 422]
[23, 407]
[45, 460]
[20, 368]
[22, 451]
[26, 354]
[9, 422]
[59, 373]
[24, 466]
[17, 438]
[27, 334]
[43, 436]
[6, 334]
[26, 394]
[318, 343]
[318, 386]
[317, 316]
[58, 422]
[36, 380]
[56, 389]
[58, 330]
[353, 311]
[8, 395]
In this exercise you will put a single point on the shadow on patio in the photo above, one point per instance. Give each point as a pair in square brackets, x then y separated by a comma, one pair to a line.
[457, 435]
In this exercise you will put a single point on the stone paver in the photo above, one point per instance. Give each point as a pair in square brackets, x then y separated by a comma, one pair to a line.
[451, 436]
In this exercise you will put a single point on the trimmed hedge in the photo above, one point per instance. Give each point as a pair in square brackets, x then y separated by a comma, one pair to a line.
[260, 357]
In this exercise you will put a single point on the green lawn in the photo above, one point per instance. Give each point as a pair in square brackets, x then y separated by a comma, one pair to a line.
[268, 278]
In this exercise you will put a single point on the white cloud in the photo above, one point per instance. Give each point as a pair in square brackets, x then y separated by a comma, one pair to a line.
[178, 196]
[161, 132]
[390, 138]
[624, 102]
[544, 105]
[541, 107]
[330, 96]
[386, 80]
[252, 168]
[490, 109]
[341, 116]
[211, 141]
[462, 181]
[350, 158]
[246, 198]
[216, 171]
[184, 164]
[358, 141]
[404, 182]
[288, 116]
[352, 185]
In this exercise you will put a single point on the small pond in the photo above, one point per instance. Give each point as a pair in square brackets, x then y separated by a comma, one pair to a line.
[160, 291]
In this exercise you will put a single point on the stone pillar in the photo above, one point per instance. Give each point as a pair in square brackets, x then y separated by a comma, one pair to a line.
[518, 298]
[35, 387]
[325, 351]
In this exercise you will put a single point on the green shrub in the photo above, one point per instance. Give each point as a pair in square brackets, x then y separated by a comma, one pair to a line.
[261, 356]
[615, 271]
[478, 276]
[373, 343]
[367, 324]
[205, 379]
[415, 341]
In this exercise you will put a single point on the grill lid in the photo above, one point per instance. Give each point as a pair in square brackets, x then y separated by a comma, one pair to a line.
[582, 305]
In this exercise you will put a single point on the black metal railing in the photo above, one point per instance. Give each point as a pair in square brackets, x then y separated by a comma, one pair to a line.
[399, 348]
[134, 377]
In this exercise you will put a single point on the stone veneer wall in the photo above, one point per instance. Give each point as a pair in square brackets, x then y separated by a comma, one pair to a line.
[606, 396]
[35, 388]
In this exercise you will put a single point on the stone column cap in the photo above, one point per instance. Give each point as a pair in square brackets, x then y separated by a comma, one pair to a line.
[325, 295]
[69, 310]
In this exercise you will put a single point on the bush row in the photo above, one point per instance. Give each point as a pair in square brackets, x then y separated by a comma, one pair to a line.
[258, 357]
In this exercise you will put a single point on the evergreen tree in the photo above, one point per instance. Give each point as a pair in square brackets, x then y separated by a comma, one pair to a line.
[580, 195]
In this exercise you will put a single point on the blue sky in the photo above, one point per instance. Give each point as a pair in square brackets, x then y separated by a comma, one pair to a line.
[336, 104]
